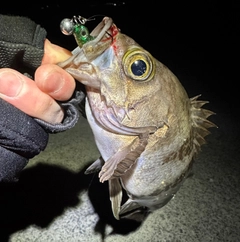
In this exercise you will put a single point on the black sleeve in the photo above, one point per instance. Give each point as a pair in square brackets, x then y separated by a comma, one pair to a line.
[21, 44]
[22, 137]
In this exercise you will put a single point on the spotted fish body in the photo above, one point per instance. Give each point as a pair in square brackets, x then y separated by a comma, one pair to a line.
[146, 128]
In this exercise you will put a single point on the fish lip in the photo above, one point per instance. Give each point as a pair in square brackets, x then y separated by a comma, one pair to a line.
[104, 30]
[104, 35]
[104, 25]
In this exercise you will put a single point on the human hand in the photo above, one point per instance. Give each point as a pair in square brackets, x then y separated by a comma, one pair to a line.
[38, 98]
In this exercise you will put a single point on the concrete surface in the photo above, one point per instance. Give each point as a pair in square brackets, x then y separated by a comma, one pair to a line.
[55, 201]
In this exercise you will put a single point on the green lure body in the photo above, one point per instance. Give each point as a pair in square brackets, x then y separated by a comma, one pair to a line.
[81, 34]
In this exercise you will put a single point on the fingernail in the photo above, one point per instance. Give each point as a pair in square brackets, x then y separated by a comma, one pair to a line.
[53, 82]
[10, 84]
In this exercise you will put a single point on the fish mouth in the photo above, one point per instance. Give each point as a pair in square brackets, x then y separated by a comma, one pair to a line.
[104, 31]
[103, 35]
[79, 65]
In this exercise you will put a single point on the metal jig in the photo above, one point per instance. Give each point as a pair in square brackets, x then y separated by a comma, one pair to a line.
[76, 26]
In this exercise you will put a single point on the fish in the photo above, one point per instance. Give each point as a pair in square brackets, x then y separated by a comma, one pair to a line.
[146, 128]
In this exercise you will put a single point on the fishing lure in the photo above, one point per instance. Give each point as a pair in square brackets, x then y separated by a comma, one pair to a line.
[76, 27]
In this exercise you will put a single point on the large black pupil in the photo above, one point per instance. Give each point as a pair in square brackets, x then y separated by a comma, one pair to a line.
[138, 67]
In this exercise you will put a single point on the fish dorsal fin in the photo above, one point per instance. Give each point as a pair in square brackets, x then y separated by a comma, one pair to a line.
[124, 159]
[200, 122]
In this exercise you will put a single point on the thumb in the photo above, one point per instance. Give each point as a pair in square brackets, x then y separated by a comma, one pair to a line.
[54, 54]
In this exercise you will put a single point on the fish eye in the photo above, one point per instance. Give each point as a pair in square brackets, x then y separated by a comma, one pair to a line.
[138, 65]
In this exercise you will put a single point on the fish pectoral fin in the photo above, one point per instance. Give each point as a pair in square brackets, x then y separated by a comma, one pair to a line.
[124, 159]
[115, 193]
[95, 167]
[110, 165]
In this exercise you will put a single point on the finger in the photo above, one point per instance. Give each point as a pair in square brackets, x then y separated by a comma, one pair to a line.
[54, 81]
[24, 94]
[54, 53]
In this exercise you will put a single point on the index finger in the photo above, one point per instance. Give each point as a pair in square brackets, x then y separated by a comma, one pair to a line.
[54, 54]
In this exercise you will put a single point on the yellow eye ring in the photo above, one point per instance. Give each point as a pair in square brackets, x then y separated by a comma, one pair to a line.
[138, 65]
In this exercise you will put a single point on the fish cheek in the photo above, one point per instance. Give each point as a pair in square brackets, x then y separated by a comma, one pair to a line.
[114, 87]
[144, 102]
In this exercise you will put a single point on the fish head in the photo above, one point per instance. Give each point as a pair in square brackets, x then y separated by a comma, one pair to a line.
[129, 79]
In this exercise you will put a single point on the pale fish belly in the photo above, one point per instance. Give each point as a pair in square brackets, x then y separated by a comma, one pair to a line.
[149, 175]
[158, 172]
[152, 184]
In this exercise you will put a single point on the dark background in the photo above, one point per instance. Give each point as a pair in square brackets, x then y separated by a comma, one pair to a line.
[197, 40]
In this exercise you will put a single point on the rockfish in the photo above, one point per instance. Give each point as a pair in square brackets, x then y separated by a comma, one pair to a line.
[145, 126]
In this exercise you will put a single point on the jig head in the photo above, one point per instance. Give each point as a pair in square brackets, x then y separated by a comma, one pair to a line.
[76, 27]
